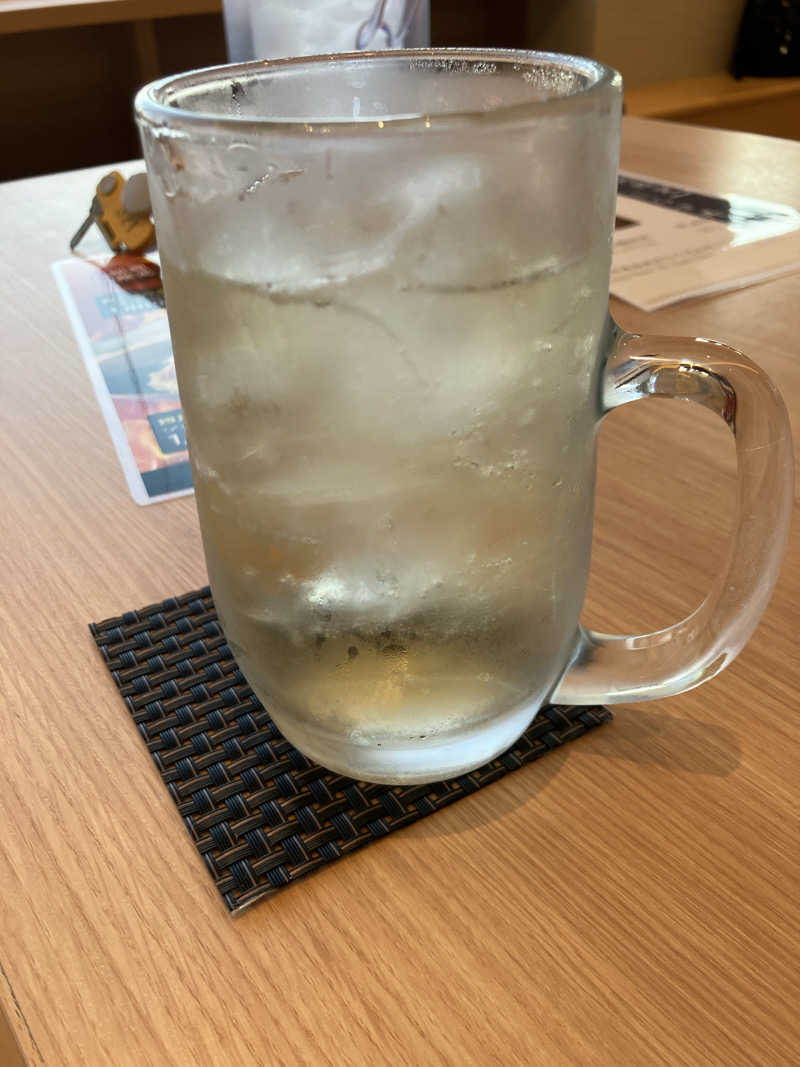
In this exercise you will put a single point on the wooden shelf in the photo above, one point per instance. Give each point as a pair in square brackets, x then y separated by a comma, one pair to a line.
[761, 105]
[676, 99]
[18, 16]
[753, 105]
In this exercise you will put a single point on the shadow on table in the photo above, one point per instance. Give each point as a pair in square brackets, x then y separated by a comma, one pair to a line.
[637, 735]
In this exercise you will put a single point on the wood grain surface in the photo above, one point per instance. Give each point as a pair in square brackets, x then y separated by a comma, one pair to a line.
[631, 899]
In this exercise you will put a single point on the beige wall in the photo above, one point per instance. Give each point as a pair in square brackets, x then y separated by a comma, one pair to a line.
[562, 25]
[648, 40]
[662, 40]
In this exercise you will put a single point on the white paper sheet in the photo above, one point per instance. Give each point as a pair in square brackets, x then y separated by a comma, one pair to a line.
[672, 242]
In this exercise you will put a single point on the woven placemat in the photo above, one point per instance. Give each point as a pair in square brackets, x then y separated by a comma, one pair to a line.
[259, 812]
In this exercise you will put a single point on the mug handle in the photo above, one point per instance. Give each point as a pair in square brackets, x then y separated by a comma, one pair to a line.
[614, 669]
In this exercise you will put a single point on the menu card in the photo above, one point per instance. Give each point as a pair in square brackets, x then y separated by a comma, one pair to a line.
[116, 307]
[671, 243]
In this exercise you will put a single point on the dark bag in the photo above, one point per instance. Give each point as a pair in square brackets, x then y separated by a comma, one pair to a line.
[768, 45]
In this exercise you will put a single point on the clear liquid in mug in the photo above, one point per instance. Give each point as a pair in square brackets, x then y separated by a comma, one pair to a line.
[395, 483]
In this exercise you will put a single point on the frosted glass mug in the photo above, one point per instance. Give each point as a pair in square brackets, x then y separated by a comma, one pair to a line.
[387, 285]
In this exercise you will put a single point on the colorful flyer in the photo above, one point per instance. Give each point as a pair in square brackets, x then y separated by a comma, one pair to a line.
[116, 307]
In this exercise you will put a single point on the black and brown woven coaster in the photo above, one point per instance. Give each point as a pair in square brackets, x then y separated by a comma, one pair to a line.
[259, 812]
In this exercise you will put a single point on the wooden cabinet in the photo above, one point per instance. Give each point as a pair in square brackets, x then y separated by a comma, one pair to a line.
[69, 71]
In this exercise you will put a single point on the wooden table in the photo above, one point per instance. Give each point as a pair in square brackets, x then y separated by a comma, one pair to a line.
[631, 899]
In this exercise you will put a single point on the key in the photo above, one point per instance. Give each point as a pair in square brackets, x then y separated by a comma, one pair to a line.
[95, 211]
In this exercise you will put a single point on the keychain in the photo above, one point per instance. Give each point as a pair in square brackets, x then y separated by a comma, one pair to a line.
[121, 211]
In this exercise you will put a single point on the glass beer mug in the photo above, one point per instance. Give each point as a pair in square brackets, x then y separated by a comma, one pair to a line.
[387, 285]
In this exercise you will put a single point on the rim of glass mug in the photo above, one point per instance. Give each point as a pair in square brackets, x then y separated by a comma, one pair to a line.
[161, 103]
